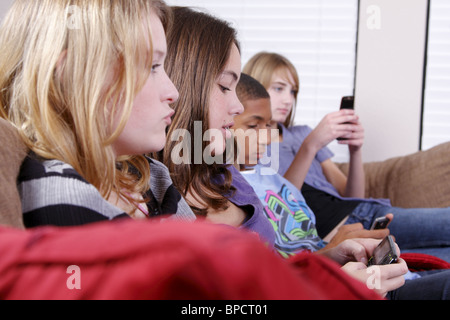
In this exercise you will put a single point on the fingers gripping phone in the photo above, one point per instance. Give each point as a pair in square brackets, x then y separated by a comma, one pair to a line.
[380, 223]
[347, 103]
[385, 253]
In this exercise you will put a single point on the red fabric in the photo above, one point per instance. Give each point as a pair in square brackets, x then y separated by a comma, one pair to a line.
[169, 260]
[424, 262]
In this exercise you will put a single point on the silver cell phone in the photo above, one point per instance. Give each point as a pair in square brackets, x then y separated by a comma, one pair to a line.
[385, 253]
[380, 223]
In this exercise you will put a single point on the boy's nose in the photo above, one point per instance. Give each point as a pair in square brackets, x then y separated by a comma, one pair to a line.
[264, 137]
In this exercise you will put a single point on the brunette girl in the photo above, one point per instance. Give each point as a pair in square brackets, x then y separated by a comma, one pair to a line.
[204, 63]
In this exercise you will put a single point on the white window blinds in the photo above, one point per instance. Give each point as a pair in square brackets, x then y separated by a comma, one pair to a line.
[436, 125]
[318, 36]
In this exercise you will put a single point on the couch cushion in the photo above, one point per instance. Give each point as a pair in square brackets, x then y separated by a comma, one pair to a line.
[419, 180]
[12, 154]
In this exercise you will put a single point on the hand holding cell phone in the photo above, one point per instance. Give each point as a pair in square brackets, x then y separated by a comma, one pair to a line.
[390, 268]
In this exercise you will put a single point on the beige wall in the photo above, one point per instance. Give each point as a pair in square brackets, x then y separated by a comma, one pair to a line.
[390, 74]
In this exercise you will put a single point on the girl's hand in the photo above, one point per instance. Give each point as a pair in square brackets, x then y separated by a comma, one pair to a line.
[343, 123]
[355, 139]
[381, 279]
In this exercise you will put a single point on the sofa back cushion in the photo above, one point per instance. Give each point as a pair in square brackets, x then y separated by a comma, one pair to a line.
[12, 154]
[418, 180]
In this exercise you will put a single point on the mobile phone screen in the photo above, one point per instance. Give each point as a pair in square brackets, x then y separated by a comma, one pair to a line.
[385, 253]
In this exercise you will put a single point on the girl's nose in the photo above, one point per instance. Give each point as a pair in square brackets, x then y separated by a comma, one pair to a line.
[236, 107]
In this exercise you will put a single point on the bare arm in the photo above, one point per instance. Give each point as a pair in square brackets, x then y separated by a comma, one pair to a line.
[354, 184]
[356, 178]
[334, 176]
[299, 167]
[331, 127]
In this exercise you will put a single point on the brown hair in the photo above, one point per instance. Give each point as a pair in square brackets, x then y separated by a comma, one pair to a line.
[199, 47]
[264, 65]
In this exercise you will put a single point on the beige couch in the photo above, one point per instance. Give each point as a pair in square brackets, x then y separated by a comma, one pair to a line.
[419, 180]
[12, 153]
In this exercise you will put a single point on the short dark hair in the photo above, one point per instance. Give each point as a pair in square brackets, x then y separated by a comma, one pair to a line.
[249, 88]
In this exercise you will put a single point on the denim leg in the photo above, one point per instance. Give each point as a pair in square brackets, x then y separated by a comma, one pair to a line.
[366, 213]
[421, 228]
[434, 286]
[422, 231]
[416, 230]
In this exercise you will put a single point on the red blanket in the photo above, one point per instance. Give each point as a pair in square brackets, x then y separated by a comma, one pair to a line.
[424, 262]
[170, 260]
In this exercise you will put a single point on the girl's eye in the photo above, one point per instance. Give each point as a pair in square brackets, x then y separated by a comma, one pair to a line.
[250, 126]
[224, 89]
[156, 66]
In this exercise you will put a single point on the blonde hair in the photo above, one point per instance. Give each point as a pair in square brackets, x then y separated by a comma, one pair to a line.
[264, 65]
[67, 68]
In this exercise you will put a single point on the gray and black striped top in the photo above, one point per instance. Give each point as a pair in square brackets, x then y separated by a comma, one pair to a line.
[53, 193]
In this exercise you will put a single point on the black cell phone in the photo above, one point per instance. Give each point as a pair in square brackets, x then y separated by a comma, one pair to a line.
[380, 223]
[347, 103]
[385, 253]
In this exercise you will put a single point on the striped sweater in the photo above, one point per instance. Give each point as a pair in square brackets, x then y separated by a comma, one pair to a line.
[53, 193]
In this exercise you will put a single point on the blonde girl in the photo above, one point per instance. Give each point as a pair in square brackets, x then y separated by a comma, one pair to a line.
[279, 76]
[85, 85]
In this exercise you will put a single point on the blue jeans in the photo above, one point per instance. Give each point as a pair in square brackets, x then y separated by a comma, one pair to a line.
[415, 230]
[432, 285]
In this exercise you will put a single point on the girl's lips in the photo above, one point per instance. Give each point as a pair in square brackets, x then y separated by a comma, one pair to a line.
[283, 111]
[168, 119]
[226, 130]
[228, 126]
